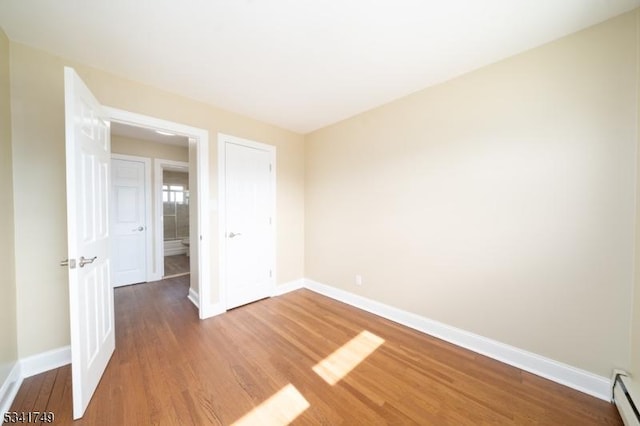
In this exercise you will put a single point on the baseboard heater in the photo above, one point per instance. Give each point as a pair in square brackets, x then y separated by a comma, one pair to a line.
[626, 394]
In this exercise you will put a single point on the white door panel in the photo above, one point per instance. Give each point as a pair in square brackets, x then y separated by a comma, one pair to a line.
[249, 205]
[90, 292]
[128, 222]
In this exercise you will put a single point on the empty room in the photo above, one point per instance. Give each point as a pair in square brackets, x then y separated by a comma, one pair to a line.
[277, 212]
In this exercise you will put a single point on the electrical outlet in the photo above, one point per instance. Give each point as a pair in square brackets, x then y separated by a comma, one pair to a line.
[358, 279]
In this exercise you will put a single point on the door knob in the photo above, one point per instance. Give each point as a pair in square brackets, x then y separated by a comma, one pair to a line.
[139, 228]
[233, 234]
[84, 261]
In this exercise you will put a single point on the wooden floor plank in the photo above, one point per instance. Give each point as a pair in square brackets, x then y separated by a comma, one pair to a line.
[169, 367]
[35, 385]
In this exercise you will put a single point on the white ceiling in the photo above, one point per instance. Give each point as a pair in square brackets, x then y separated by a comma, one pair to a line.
[299, 64]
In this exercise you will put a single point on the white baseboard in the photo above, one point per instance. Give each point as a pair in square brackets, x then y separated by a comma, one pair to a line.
[155, 276]
[213, 309]
[45, 361]
[194, 298]
[30, 366]
[581, 380]
[9, 387]
[288, 287]
[218, 308]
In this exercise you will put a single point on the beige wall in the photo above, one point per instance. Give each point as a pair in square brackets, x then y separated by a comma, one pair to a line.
[38, 135]
[194, 277]
[635, 324]
[8, 325]
[176, 178]
[501, 202]
[140, 148]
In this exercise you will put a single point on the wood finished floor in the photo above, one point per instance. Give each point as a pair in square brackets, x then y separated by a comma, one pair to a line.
[176, 265]
[171, 368]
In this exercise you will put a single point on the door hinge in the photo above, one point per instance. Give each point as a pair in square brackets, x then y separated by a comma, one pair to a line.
[71, 263]
[269, 221]
[269, 166]
[270, 273]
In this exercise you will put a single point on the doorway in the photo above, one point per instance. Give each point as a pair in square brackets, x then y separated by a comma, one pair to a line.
[194, 143]
[142, 248]
[174, 212]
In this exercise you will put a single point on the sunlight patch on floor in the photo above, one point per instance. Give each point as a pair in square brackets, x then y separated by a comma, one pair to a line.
[280, 409]
[337, 365]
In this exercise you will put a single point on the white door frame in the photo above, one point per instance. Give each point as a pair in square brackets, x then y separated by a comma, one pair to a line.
[159, 165]
[223, 139]
[200, 140]
[149, 276]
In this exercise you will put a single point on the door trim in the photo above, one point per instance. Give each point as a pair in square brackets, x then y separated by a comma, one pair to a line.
[198, 140]
[223, 140]
[149, 275]
[158, 167]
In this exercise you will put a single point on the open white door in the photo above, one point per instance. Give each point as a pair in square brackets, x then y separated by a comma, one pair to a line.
[90, 291]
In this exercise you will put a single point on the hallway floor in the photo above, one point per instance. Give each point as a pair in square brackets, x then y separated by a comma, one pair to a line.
[175, 266]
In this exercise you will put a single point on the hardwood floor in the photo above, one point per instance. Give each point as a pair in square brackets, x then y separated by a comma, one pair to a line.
[176, 265]
[257, 365]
